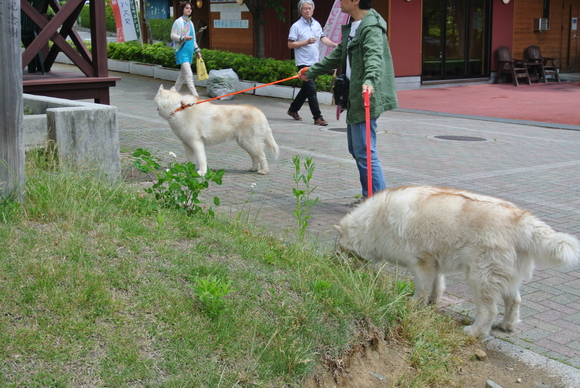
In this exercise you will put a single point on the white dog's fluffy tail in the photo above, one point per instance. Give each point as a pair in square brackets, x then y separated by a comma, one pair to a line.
[550, 248]
[272, 145]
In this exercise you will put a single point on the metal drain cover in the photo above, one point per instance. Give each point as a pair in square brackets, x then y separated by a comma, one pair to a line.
[460, 138]
[336, 129]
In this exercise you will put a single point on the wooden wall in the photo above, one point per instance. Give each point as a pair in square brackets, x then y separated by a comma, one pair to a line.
[554, 42]
[235, 40]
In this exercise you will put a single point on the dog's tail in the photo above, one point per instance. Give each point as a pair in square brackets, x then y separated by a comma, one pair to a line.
[272, 145]
[548, 247]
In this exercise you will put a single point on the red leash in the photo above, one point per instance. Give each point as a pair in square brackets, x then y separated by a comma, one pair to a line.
[369, 160]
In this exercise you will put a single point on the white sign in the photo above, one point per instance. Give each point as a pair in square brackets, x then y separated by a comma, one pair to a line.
[126, 20]
[574, 24]
[225, 23]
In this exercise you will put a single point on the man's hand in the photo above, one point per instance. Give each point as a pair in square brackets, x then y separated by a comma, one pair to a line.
[302, 73]
[369, 88]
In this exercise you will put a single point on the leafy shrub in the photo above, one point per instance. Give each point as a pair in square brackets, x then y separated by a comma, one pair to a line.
[159, 54]
[85, 19]
[246, 67]
[128, 51]
[161, 29]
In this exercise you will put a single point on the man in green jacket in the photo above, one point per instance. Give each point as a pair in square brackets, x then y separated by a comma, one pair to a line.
[364, 56]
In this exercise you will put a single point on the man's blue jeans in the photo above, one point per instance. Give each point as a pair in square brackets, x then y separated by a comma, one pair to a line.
[357, 146]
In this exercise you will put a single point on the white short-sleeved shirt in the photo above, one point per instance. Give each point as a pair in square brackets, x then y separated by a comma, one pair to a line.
[303, 30]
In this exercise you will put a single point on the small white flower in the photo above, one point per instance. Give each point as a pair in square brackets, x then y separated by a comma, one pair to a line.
[253, 185]
[172, 154]
[167, 169]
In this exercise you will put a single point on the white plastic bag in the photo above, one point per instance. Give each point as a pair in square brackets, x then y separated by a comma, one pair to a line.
[222, 82]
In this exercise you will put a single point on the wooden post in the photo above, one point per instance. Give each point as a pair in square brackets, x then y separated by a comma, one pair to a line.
[11, 109]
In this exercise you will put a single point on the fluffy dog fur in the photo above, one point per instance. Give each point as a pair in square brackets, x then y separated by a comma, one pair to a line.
[433, 231]
[206, 124]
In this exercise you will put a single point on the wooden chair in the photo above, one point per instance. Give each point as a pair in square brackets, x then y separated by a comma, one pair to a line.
[507, 65]
[541, 66]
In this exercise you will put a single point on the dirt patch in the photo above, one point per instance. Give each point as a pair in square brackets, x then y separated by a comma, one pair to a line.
[384, 363]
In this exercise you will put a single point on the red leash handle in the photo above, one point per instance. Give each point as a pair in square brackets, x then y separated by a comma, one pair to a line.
[367, 103]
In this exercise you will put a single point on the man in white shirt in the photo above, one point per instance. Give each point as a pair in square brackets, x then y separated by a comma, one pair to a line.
[305, 37]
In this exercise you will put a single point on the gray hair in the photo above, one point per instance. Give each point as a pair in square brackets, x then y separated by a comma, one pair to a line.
[302, 2]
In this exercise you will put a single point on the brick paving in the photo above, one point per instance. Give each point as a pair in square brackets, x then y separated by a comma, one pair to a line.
[535, 167]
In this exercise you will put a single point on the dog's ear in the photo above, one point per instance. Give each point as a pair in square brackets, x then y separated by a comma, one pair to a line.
[337, 227]
[161, 87]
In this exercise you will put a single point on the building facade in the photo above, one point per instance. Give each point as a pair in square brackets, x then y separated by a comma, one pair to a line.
[431, 40]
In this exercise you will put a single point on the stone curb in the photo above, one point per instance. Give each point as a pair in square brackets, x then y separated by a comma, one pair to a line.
[567, 374]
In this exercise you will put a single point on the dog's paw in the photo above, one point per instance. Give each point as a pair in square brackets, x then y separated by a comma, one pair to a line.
[263, 172]
[201, 173]
[474, 332]
[509, 326]
[253, 169]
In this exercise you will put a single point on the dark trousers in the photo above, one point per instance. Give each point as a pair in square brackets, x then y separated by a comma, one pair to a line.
[307, 91]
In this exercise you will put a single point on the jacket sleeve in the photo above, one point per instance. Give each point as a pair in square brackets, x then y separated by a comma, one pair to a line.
[176, 32]
[373, 56]
[330, 62]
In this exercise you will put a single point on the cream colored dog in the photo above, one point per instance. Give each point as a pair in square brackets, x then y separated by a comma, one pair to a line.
[198, 126]
[433, 231]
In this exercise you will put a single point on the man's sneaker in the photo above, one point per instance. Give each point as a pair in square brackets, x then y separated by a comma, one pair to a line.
[320, 121]
[294, 115]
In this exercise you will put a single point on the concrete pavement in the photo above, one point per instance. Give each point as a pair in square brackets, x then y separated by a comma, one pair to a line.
[534, 167]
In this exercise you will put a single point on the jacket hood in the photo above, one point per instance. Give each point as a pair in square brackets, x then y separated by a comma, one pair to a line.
[372, 18]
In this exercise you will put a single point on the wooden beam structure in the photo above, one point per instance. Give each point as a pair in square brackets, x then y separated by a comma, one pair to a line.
[92, 63]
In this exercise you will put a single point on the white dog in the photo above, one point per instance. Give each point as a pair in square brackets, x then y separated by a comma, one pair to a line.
[433, 231]
[206, 124]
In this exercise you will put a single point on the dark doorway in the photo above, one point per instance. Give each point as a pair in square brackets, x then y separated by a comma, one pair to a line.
[456, 39]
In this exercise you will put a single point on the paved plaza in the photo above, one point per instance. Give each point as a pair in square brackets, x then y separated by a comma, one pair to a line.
[536, 168]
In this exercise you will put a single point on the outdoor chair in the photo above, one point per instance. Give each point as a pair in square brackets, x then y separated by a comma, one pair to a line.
[541, 66]
[507, 65]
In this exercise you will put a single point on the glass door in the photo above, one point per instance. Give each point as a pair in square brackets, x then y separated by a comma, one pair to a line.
[455, 39]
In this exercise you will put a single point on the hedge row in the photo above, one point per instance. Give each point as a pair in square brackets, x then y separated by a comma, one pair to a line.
[246, 67]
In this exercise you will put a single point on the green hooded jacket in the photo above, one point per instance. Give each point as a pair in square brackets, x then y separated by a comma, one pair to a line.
[371, 64]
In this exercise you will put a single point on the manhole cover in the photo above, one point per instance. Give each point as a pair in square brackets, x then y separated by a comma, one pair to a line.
[336, 129]
[460, 138]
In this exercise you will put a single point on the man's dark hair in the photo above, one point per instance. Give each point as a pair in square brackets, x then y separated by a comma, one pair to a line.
[365, 4]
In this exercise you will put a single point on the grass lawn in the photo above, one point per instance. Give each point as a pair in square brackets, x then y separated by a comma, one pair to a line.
[103, 285]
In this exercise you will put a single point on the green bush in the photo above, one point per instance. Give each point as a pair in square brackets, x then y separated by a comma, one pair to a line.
[246, 67]
[161, 29]
[128, 51]
[85, 19]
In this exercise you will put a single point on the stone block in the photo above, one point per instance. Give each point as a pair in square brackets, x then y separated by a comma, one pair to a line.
[117, 65]
[144, 69]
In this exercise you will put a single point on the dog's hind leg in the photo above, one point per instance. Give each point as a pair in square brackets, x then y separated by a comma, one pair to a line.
[512, 301]
[256, 152]
[485, 293]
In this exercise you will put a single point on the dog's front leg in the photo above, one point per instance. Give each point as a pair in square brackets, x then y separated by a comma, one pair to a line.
[199, 151]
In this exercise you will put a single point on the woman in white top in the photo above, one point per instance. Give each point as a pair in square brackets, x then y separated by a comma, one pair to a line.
[183, 36]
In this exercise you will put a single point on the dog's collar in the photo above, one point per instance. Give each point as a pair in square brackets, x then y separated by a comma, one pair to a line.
[182, 107]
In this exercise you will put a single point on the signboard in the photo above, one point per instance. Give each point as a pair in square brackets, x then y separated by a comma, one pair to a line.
[126, 20]
[574, 25]
[333, 28]
[230, 14]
